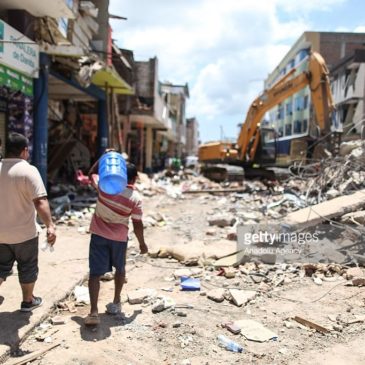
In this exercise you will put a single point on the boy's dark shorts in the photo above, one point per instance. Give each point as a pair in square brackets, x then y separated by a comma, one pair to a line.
[105, 254]
[26, 256]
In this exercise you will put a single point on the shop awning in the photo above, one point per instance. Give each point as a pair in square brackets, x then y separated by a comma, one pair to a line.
[107, 78]
[53, 9]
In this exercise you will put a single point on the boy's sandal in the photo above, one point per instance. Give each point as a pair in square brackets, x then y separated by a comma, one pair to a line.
[92, 320]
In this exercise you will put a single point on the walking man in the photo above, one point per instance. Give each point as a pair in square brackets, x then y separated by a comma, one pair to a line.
[22, 193]
[108, 243]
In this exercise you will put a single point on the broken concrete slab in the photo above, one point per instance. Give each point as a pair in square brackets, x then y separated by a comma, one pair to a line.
[195, 252]
[182, 272]
[234, 259]
[354, 217]
[330, 209]
[358, 282]
[139, 295]
[241, 297]
[216, 294]
[222, 221]
[255, 331]
[354, 272]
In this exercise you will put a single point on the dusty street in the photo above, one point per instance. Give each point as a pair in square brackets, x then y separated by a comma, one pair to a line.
[186, 332]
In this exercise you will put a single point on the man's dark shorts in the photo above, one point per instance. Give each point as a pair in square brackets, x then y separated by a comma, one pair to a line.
[26, 256]
[104, 254]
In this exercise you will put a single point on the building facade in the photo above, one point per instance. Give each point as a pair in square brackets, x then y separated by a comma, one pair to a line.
[192, 137]
[68, 108]
[348, 89]
[294, 118]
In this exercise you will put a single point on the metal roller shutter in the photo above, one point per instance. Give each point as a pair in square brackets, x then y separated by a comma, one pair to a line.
[2, 133]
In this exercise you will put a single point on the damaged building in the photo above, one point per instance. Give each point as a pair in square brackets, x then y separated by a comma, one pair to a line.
[73, 92]
[294, 117]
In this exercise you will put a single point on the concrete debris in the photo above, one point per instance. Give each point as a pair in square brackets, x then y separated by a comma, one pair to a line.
[334, 208]
[358, 282]
[255, 331]
[222, 221]
[347, 147]
[162, 304]
[182, 272]
[354, 272]
[139, 295]
[357, 218]
[216, 295]
[241, 297]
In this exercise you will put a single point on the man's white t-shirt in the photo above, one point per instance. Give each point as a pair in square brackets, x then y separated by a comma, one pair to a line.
[20, 184]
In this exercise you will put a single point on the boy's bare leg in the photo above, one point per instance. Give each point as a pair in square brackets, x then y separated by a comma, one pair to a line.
[94, 288]
[119, 279]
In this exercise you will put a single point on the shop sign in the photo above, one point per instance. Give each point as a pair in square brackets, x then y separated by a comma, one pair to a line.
[15, 81]
[18, 51]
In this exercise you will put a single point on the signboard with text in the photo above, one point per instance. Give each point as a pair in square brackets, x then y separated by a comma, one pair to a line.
[18, 51]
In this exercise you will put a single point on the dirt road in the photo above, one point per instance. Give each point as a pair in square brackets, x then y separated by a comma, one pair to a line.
[188, 334]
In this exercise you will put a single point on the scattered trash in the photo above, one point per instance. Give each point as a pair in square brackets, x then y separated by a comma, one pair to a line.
[231, 327]
[82, 294]
[189, 284]
[228, 344]
[162, 304]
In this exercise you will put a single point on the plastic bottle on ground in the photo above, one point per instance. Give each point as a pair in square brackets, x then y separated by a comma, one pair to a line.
[229, 344]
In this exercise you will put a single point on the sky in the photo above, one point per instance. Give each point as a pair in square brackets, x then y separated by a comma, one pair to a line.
[225, 49]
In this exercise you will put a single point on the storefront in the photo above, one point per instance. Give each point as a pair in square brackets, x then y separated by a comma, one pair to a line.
[18, 66]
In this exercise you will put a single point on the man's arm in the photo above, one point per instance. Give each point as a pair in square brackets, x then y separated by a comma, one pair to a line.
[138, 231]
[44, 211]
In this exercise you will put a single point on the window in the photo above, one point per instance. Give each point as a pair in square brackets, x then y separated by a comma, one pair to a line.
[305, 126]
[288, 129]
[280, 112]
[297, 127]
[303, 53]
[305, 102]
[281, 131]
[298, 102]
[289, 108]
[291, 64]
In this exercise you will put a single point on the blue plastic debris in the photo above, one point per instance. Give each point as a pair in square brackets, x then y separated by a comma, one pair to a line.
[187, 283]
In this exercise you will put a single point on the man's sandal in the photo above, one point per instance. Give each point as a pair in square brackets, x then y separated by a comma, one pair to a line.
[92, 320]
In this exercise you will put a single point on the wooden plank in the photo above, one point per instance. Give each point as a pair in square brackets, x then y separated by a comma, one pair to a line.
[70, 51]
[238, 190]
[34, 355]
[310, 324]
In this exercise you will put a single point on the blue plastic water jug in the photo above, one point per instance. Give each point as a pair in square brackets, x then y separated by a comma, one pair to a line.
[112, 173]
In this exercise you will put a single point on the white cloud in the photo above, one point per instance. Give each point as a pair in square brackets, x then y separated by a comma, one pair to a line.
[360, 29]
[219, 47]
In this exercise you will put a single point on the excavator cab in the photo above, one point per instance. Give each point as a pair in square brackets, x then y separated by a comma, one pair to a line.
[267, 148]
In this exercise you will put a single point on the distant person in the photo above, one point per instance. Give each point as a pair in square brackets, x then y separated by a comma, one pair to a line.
[22, 193]
[109, 239]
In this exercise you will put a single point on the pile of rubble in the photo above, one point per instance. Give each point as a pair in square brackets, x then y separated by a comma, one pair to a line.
[329, 178]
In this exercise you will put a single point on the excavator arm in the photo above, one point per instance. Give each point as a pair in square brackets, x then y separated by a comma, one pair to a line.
[318, 81]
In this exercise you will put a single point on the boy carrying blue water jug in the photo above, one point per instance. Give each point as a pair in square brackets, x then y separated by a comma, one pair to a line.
[109, 238]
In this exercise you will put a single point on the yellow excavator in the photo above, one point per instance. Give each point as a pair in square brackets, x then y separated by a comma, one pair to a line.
[257, 145]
